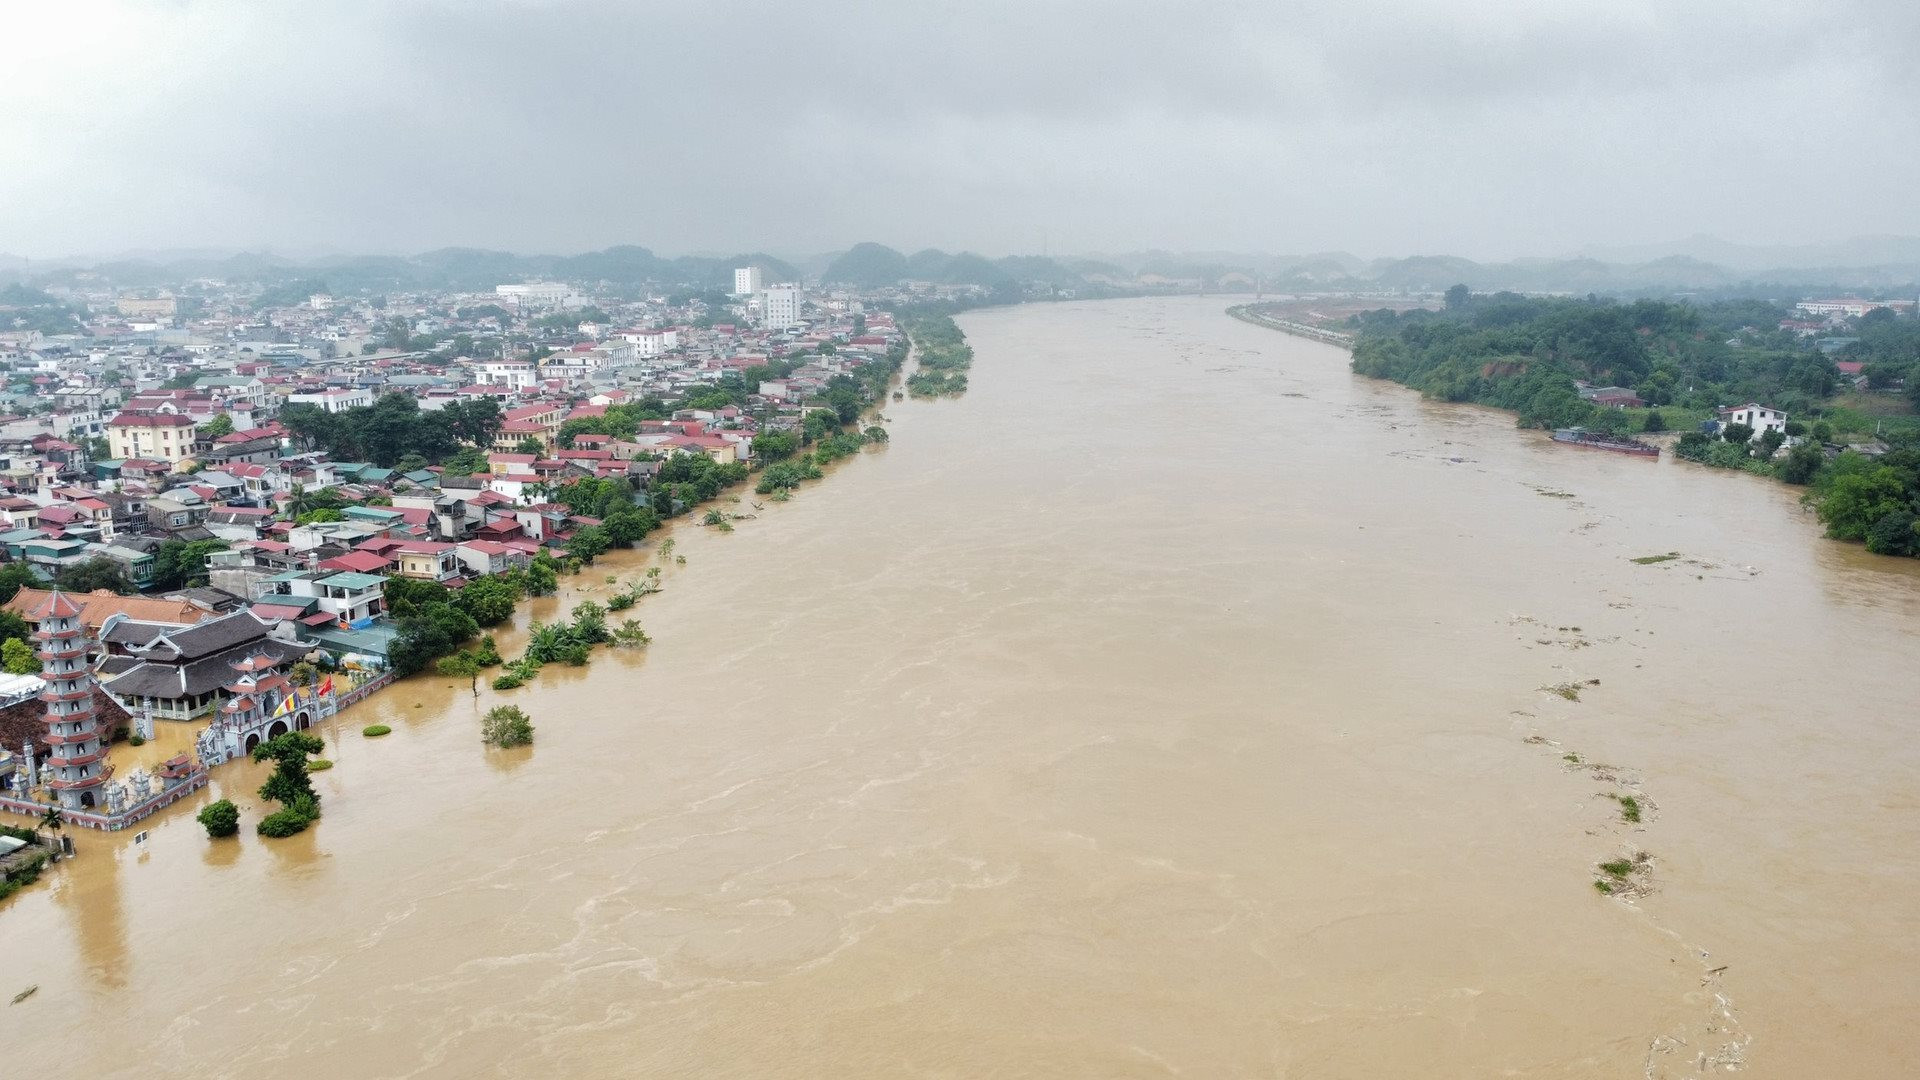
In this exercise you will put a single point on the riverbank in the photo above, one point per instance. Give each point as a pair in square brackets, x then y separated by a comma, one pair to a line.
[1542, 361]
[1254, 314]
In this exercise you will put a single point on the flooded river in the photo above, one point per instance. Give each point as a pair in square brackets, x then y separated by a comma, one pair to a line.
[1169, 705]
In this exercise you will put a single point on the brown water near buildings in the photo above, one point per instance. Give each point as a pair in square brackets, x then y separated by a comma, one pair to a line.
[1161, 707]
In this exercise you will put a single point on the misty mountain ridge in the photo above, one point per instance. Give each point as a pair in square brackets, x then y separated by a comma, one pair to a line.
[1671, 267]
[1858, 251]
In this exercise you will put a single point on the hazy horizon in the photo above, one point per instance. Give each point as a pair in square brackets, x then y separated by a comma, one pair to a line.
[1489, 130]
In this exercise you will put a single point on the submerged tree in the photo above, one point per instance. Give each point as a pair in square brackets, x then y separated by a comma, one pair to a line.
[289, 785]
[221, 818]
[506, 726]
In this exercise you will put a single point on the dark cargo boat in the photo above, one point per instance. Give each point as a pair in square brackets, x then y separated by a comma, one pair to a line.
[1594, 440]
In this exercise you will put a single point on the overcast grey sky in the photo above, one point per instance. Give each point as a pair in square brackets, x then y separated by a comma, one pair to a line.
[1480, 127]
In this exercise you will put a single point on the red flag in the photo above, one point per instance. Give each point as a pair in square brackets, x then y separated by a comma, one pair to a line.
[327, 686]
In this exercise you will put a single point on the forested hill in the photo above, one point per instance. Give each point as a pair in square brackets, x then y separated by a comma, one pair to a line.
[1524, 354]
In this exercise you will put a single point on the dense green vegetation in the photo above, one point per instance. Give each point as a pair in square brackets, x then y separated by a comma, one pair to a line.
[288, 785]
[506, 726]
[558, 643]
[945, 356]
[220, 817]
[1872, 500]
[1524, 354]
[619, 421]
[99, 572]
[1889, 346]
[178, 564]
[394, 428]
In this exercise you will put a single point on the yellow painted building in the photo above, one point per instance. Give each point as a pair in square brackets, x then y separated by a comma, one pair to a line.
[154, 436]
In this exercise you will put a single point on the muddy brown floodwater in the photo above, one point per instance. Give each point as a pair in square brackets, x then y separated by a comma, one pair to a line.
[1169, 705]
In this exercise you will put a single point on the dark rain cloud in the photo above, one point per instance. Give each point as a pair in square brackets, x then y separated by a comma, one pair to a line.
[1474, 127]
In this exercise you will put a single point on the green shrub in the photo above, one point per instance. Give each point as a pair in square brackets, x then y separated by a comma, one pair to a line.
[506, 726]
[221, 818]
[283, 823]
[374, 731]
[319, 765]
[302, 812]
[508, 681]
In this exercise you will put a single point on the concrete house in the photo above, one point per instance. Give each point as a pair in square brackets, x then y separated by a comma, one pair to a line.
[1760, 418]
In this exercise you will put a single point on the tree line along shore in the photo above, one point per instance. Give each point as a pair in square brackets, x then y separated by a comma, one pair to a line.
[1850, 439]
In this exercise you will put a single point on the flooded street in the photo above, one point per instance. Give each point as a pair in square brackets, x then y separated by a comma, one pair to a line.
[1171, 704]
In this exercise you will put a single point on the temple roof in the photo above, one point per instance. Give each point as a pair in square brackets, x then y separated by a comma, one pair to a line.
[57, 605]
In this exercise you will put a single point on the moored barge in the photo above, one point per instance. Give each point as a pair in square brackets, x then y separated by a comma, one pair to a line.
[1594, 440]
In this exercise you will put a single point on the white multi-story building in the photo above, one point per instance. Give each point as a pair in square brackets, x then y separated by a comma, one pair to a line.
[1760, 418]
[515, 375]
[534, 292]
[780, 307]
[652, 342]
[747, 281]
[1852, 307]
[335, 401]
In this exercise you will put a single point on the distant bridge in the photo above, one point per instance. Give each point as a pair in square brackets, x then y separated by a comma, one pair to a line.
[1251, 313]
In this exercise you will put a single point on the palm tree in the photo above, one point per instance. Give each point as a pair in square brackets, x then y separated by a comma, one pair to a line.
[53, 819]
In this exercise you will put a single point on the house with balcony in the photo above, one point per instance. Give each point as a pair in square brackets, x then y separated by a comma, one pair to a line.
[427, 560]
[343, 596]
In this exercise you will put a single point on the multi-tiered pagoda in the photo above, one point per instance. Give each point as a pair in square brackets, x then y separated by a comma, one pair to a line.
[76, 749]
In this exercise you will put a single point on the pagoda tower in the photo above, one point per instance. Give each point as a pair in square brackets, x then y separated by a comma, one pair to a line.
[75, 747]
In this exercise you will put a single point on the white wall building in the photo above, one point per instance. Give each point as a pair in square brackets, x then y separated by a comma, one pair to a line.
[515, 375]
[780, 308]
[747, 280]
[534, 292]
[335, 401]
[1851, 306]
[1756, 416]
[648, 343]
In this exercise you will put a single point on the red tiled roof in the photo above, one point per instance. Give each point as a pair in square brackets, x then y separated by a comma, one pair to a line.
[359, 562]
[57, 605]
[140, 419]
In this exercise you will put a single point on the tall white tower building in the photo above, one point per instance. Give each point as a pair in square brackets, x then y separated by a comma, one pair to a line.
[781, 307]
[747, 281]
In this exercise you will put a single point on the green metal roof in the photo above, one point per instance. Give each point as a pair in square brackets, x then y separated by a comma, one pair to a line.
[377, 513]
[347, 579]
